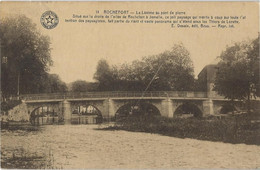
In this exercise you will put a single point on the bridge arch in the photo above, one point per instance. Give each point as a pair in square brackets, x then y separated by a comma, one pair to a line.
[137, 109]
[227, 108]
[33, 107]
[86, 109]
[44, 111]
[188, 109]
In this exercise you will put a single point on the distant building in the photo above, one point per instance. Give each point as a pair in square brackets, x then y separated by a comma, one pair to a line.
[206, 78]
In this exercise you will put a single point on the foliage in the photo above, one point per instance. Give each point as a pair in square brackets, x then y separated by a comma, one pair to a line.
[173, 70]
[238, 71]
[103, 75]
[26, 56]
[7, 105]
[26, 59]
[254, 64]
[82, 86]
[231, 129]
[53, 84]
[21, 126]
[200, 84]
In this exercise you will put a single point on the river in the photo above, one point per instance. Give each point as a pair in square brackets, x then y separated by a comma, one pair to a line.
[82, 146]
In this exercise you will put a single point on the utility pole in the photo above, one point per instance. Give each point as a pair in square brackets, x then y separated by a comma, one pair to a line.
[18, 84]
[18, 81]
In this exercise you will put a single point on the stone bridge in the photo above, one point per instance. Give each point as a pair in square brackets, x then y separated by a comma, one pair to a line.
[109, 103]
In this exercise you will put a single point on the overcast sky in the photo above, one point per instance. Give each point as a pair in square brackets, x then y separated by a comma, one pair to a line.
[77, 47]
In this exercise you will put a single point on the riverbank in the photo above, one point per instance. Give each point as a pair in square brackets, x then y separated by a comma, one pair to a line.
[22, 126]
[243, 128]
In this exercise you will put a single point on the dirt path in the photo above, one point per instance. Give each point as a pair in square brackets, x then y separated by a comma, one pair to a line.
[81, 146]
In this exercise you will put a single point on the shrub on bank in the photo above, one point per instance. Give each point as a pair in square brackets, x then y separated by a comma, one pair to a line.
[232, 129]
[7, 105]
[22, 126]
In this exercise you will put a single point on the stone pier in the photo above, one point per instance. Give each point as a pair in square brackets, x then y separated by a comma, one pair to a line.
[167, 108]
[66, 111]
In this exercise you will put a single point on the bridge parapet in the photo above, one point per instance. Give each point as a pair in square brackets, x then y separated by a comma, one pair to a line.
[115, 94]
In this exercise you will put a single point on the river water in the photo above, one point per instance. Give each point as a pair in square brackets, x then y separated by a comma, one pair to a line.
[82, 146]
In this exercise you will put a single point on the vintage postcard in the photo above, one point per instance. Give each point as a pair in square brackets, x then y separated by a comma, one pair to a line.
[120, 85]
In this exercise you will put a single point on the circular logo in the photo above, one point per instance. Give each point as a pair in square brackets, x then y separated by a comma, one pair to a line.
[49, 20]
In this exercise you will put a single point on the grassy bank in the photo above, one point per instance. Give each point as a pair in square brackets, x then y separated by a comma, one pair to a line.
[242, 128]
[20, 158]
[24, 162]
[24, 126]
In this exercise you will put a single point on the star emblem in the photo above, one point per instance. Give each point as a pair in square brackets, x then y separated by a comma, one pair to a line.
[49, 19]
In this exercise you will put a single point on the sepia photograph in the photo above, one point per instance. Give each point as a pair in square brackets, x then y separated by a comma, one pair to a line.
[130, 85]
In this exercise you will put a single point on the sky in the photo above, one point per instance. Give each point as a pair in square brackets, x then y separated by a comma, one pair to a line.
[77, 47]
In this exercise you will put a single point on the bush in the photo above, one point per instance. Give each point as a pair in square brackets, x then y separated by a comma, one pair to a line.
[232, 129]
[5, 106]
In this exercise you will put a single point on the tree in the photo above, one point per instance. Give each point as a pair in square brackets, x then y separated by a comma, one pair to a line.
[238, 71]
[171, 70]
[103, 75]
[26, 55]
[254, 64]
[53, 84]
[177, 72]
[83, 86]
